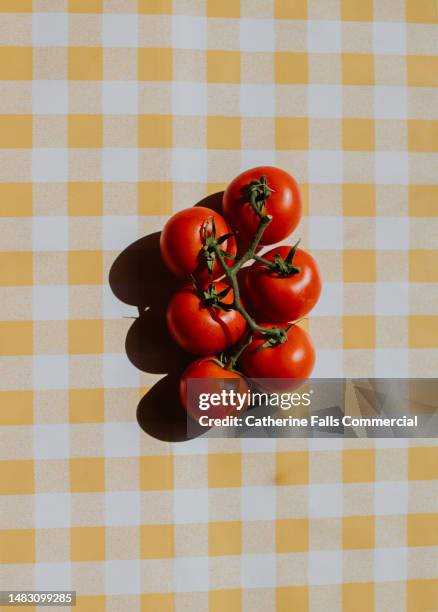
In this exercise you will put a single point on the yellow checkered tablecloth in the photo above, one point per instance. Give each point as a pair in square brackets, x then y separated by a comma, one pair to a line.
[113, 114]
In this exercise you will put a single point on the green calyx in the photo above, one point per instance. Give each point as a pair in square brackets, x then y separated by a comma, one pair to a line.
[283, 267]
[209, 296]
[210, 242]
[258, 192]
[274, 336]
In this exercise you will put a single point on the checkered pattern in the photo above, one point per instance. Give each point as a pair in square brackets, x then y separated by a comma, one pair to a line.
[103, 102]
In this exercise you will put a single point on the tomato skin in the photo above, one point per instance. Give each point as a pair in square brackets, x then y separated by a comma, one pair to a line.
[284, 204]
[277, 299]
[203, 330]
[181, 242]
[208, 368]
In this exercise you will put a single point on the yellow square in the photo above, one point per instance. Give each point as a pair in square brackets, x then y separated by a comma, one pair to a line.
[422, 135]
[156, 473]
[359, 265]
[86, 405]
[423, 331]
[291, 68]
[16, 268]
[17, 546]
[156, 541]
[85, 131]
[15, 63]
[85, 6]
[421, 11]
[155, 131]
[87, 543]
[85, 199]
[15, 131]
[357, 532]
[16, 408]
[422, 200]
[422, 70]
[87, 474]
[154, 7]
[16, 477]
[358, 135]
[285, 9]
[85, 336]
[224, 538]
[357, 10]
[423, 266]
[85, 267]
[357, 69]
[223, 66]
[358, 597]
[422, 595]
[423, 529]
[15, 199]
[17, 6]
[359, 332]
[155, 198]
[292, 468]
[223, 132]
[423, 463]
[154, 64]
[292, 598]
[223, 8]
[359, 200]
[151, 602]
[359, 465]
[224, 470]
[90, 603]
[85, 63]
[304, 190]
[292, 535]
[292, 133]
[16, 338]
[227, 599]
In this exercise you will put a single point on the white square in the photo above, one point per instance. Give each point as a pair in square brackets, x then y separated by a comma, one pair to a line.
[190, 506]
[122, 577]
[330, 301]
[258, 445]
[52, 510]
[113, 308]
[325, 232]
[389, 38]
[51, 441]
[257, 100]
[259, 571]
[120, 97]
[390, 564]
[257, 35]
[325, 101]
[118, 371]
[390, 102]
[189, 32]
[391, 363]
[119, 30]
[196, 446]
[50, 371]
[391, 168]
[325, 167]
[324, 444]
[50, 303]
[324, 36]
[325, 500]
[52, 576]
[392, 233]
[119, 164]
[50, 233]
[122, 508]
[392, 299]
[325, 567]
[49, 165]
[122, 439]
[258, 503]
[250, 158]
[190, 574]
[189, 98]
[119, 231]
[189, 165]
[50, 97]
[50, 29]
[391, 498]
[329, 364]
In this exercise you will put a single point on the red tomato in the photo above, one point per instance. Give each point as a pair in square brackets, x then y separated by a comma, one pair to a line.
[202, 329]
[277, 298]
[182, 242]
[284, 204]
[208, 368]
[294, 359]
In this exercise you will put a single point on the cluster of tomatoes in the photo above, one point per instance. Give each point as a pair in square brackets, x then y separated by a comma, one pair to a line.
[241, 320]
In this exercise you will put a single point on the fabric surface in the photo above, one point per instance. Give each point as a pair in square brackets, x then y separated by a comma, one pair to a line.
[113, 114]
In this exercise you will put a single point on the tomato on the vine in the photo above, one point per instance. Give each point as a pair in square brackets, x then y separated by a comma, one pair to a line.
[283, 204]
[183, 242]
[285, 292]
[198, 324]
